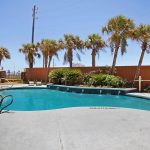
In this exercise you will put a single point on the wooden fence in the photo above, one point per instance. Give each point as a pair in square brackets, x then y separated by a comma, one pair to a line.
[126, 72]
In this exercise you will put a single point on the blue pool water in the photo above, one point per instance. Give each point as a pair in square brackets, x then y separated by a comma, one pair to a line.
[45, 99]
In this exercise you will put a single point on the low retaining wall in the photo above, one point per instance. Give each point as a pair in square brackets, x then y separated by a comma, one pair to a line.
[126, 72]
[91, 90]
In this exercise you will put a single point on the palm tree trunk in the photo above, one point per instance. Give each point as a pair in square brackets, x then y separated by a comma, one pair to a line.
[139, 66]
[43, 61]
[70, 64]
[70, 55]
[114, 60]
[93, 57]
[50, 59]
[31, 60]
[48, 69]
[46, 61]
[30, 65]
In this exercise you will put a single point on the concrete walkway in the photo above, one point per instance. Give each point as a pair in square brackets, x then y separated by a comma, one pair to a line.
[19, 86]
[143, 95]
[76, 129]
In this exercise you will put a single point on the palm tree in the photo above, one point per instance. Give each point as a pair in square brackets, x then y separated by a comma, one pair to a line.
[30, 51]
[4, 53]
[96, 43]
[44, 50]
[142, 35]
[49, 48]
[71, 43]
[118, 28]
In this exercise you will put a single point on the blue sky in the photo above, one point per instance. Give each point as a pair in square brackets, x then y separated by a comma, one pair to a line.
[59, 17]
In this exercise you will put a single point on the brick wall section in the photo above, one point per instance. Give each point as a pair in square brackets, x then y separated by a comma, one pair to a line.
[126, 72]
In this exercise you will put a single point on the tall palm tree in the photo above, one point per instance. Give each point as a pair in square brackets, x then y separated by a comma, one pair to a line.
[44, 49]
[118, 28]
[96, 43]
[71, 43]
[44, 53]
[4, 53]
[30, 51]
[142, 35]
[49, 48]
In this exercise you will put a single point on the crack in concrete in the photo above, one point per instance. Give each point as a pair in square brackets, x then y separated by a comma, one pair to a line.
[60, 140]
[59, 134]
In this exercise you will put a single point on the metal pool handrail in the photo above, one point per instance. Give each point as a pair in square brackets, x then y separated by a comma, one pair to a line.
[2, 100]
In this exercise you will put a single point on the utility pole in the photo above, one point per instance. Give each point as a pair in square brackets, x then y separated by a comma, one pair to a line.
[33, 23]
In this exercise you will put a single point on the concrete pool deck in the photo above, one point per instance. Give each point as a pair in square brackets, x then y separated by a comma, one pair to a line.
[20, 86]
[84, 128]
[142, 95]
[95, 128]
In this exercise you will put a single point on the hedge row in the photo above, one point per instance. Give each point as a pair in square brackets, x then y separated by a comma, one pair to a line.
[75, 77]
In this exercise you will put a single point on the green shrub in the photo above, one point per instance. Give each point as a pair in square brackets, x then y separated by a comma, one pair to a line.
[114, 81]
[107, 80]
[86, 79]
[98, 79]
[129, 84]
[65, 76]
[147, 89]
[72, 76]
[98, 71]
[56, 76]
[107, 70]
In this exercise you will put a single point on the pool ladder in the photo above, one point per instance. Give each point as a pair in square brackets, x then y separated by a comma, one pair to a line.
[2, 99]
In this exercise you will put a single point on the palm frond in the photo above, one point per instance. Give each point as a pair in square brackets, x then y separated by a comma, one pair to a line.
[4, 53]
[123, 46]
[112, 47]
[65, 58]
[78, 56]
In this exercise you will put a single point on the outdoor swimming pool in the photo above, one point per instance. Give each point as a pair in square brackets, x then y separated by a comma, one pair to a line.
[46, 99]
